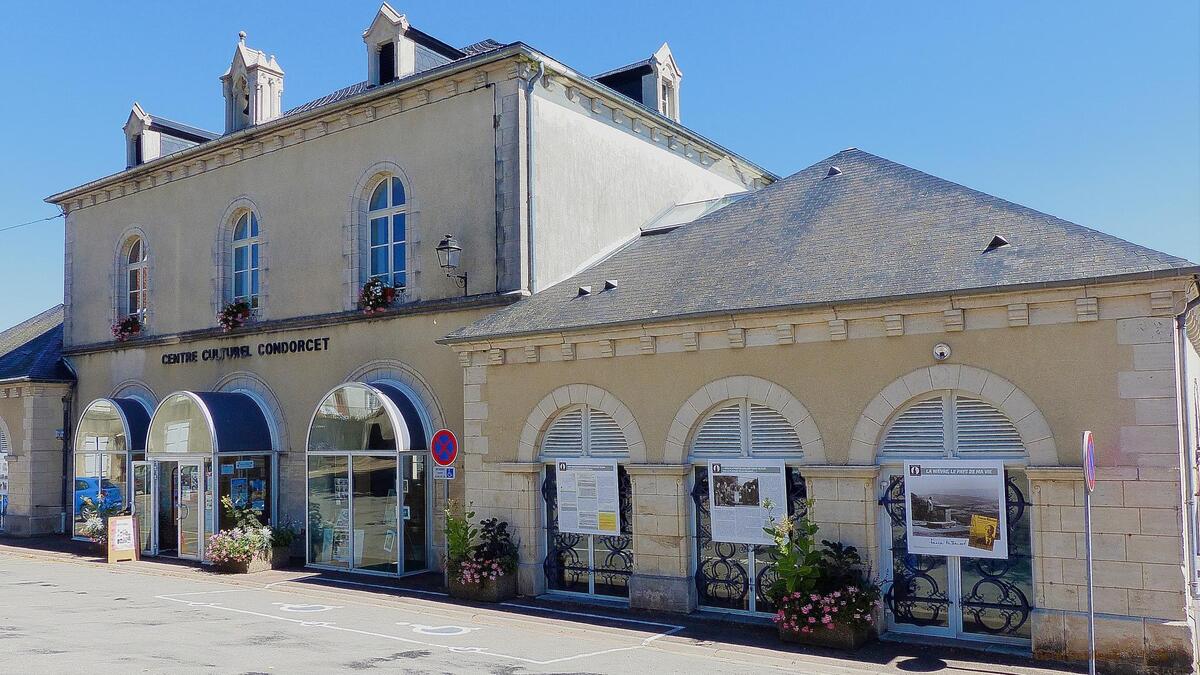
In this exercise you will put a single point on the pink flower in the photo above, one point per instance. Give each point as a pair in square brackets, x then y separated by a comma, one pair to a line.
[812, 619]
[814, 597]
[837, 594]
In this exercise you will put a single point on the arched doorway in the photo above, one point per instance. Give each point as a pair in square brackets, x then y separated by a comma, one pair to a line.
[960, 597]
[368, 496]
[110, 440]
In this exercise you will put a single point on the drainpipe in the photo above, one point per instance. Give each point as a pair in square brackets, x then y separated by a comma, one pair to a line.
[531, 203]
[1188, 441]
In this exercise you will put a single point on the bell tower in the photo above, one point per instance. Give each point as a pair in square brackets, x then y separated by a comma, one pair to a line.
[253, 88]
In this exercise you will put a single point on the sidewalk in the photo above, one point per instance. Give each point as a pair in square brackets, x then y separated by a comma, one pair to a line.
[721, 636]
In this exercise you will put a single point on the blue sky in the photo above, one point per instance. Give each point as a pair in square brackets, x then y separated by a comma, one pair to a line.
[1086, 110]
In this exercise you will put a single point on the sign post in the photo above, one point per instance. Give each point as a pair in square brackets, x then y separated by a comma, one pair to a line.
[1089, 479]
[443, 448]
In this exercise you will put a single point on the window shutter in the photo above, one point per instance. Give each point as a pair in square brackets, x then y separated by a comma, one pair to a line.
[982, 428]
[721, 434]
[920, 431]
[564, 437]
[605, 437]
[771, 433]
[4, 448]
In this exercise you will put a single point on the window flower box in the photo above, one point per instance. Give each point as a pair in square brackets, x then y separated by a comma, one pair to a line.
[234, 315]
[376, 297]
[126, 328]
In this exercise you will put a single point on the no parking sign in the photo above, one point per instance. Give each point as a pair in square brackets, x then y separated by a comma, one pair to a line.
[444, 448]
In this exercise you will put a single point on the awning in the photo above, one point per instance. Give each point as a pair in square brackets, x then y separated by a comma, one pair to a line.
[112, 425]
[356, 417]
[206, 422]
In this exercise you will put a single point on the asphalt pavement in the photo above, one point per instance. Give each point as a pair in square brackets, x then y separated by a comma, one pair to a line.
[65, 614]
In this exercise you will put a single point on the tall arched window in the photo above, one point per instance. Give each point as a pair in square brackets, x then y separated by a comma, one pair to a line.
[955, 596]
[136, 277]
[387, 213]
[586, 563]
[246, 270]
[735, 576]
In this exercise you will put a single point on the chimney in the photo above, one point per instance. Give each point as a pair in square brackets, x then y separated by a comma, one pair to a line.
[253, 88]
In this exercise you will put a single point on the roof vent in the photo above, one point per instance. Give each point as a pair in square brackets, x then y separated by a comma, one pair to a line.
[584, 290]
[610, 284]
[997, 242]
[833, 171]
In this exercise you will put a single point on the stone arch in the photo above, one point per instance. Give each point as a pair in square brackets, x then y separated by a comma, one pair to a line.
[119, 281]
[222, 283]
[136, 389]
[257, 388]
[576, 394]
[391, 370]
[976, 382]
[757, 390]
[355, 232]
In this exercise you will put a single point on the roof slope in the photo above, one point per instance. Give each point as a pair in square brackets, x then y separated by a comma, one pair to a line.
[32, 349]
[875, 230]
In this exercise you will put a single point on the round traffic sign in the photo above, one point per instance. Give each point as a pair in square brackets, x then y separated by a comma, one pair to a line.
[444, 447]
[1089, 461]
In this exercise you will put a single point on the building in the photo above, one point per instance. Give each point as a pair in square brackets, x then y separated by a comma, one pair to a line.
[301, 404]
[35, 396]
[855, 316]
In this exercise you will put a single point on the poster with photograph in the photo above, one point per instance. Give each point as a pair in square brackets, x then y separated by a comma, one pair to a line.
[588, 498]
[743, 497]
[239, 492]
[956, 508]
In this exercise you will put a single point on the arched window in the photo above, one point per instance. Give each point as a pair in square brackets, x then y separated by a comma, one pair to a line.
[386, 214]
[951, 425]
[576, 562]
[736, 576]
[246, 270]
[136, 277]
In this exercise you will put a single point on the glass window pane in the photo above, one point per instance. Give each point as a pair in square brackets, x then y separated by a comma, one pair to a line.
[920, 583]
[379, 261]
[352, 418]
[239, 232]
[397, 192]
[399, 280]
[254, 256]
[398, 229]
[379, 197]
[329, 510]
[254, 283]
[415, 518]
[375, 533]
[239, 258]
[246, 480]
[133, 280]
[87, 488]
[239, 285]
[253, 225]
[996, 594]
[379, 232]
[723, 569]
[398, 258]
[135, 251]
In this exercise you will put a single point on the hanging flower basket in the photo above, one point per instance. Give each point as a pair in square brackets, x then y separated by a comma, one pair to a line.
[376, 297]
[234, 315]
[126, 328]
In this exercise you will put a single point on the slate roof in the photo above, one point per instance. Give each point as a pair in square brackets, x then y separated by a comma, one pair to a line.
[877, 230]
[32, 349]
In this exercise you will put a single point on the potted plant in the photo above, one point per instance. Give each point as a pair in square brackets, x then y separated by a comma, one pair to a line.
[127, 328]
[234, 315]
[96, 513]
[822, 595]
[481, 563]
[250, 546]
[375, 296]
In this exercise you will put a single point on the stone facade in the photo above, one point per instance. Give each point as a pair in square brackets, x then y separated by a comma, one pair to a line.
[31, 416]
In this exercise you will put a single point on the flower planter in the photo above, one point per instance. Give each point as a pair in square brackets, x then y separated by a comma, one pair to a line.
[278, 558]
[844, 637]
[499, 590]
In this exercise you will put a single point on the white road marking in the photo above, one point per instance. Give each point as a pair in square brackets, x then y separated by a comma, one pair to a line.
[444, 631]
[285, 607]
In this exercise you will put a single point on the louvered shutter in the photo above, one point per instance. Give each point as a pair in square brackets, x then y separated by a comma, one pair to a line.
[564, 437]
[981, 428]
[4, 447]
[919, 431]
[721, 434]
[771, 433]
[605, 437]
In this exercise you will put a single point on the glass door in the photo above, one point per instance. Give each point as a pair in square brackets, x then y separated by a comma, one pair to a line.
[375, 514]
[166, 497]
[191, 511]
[143, 505]
[414, 513]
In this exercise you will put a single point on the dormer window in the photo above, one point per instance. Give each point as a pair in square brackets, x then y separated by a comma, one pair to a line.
[667, 102]
[136, 149]
[387, 62]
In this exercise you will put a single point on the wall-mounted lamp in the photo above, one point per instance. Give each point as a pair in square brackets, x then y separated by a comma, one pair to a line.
[449, 253]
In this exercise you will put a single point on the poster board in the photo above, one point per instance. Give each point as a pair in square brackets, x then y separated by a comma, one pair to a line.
[123, 538]
[589, 500]
[956, 508]
[739, 492]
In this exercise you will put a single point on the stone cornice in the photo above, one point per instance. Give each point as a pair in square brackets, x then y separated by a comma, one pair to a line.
[440, 83]
[936, 316]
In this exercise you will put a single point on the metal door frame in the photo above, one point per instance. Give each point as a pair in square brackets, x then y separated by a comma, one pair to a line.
[152, 520]
[198, 463]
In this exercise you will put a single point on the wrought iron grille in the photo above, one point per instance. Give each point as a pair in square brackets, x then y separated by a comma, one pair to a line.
[723, 570]
[584, 563]
[991, 599]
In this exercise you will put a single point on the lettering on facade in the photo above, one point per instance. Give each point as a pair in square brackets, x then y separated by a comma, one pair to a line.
[319, 344]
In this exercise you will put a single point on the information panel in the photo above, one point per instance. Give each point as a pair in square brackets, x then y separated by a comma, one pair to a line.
[956, 508]
[743, 497]
[589, 501]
